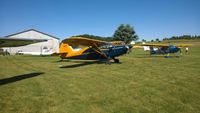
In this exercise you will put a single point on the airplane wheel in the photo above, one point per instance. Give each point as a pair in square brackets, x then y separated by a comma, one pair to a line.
[116, 60]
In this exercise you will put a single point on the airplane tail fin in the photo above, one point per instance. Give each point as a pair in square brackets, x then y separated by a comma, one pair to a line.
[64, 50]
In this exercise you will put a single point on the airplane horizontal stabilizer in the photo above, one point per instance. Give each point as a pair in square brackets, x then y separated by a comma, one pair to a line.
[59, 54]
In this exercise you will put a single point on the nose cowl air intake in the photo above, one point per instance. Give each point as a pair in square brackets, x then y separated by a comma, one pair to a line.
[128, 47]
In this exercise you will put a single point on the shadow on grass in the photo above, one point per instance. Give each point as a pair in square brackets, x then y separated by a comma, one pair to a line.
[62, 61]
[81, 64]
[149, 56]
[157, 56]
[19, 77]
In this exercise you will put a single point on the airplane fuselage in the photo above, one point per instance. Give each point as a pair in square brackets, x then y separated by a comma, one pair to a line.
[92, 54]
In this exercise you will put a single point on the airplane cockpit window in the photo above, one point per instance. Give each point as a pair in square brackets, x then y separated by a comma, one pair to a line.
[107, 46]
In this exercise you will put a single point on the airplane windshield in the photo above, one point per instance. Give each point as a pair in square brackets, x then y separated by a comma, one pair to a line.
[107, 46]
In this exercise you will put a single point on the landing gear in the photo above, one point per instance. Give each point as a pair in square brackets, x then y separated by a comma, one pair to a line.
[116, 60]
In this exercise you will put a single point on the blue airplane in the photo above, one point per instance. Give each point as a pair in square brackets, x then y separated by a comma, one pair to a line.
[165, 49]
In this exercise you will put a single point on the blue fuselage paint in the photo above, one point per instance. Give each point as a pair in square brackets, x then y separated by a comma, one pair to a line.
[111, 52]
[173, 49]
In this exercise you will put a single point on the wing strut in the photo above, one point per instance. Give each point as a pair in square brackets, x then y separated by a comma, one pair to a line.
[98, 50]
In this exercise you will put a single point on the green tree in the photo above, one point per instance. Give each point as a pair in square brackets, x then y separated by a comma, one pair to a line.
[143, 40]
[125, 33]
[157, 40]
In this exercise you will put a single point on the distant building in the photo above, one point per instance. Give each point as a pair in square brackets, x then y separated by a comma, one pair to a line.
[49, 46]
[132, 42]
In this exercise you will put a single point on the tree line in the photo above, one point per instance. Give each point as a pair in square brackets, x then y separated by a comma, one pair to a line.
[126, 33]
[96, 37]
[186, 37]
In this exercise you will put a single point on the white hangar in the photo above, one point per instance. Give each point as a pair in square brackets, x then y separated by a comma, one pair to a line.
[42, 48]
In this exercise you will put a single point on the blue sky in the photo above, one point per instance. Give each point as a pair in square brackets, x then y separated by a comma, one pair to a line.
[151, 19]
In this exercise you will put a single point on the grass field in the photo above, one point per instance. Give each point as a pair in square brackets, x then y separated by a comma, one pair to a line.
[139, 84]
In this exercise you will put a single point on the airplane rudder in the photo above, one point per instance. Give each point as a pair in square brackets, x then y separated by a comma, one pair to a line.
[65, 48]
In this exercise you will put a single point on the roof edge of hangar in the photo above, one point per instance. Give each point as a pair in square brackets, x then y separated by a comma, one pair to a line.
[32, 30]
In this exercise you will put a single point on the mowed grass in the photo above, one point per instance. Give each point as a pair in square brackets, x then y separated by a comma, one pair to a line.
[139, 84]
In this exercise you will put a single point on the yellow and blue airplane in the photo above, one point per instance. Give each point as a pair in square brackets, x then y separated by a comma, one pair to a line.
[165, 49]
[91, 49]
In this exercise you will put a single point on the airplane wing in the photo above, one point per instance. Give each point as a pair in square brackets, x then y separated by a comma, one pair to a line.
[87, 42]
[183, 45]
[84, 42]
[15, 42]
[156, 45]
